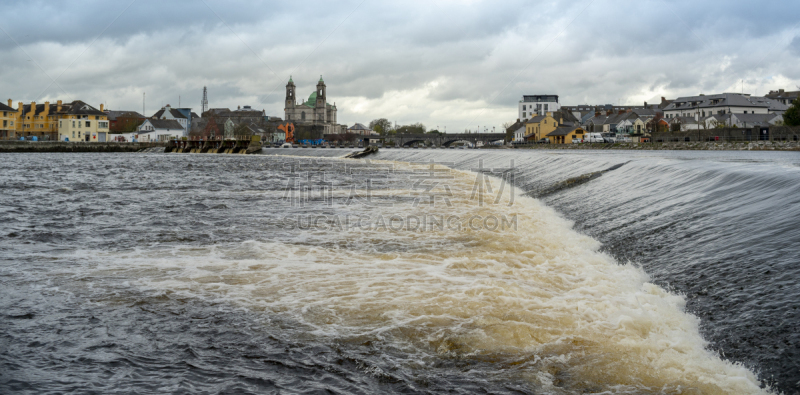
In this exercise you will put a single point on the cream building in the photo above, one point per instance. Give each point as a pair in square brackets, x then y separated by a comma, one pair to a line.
[78, 121]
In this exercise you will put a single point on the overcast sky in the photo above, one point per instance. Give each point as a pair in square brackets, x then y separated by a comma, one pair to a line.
[460, 64]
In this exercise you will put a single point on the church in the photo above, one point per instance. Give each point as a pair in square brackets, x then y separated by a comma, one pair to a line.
[314, 112]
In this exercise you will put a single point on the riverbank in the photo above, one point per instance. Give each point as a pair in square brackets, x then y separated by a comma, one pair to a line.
[64, 146]
[677, 146]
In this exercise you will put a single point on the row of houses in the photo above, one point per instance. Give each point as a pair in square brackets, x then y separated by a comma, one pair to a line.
[78, 121]
[731, 110]
[74, 121]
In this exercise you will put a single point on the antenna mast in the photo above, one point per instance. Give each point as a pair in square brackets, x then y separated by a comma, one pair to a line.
[204, 105]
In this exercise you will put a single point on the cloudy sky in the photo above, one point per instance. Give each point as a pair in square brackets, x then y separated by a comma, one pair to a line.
[459, 64]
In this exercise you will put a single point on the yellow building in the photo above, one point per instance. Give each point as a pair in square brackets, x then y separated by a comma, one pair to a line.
[8, 121]
[36, 120]
[539, 126]
[78, 121]
[565, 135]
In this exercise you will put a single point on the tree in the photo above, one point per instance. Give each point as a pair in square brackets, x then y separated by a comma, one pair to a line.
[792, 115]
[128, 124]
[414, 128]
[654, 125]
[380, 125]
[434, 132]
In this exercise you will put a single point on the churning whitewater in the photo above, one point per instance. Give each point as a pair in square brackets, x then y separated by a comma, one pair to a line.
[245, 274]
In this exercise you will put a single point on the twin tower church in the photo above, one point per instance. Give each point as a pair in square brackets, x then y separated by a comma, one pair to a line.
[314, 113]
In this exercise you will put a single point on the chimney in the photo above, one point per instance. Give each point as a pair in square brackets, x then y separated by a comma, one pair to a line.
[46, 108]
[58, 109]
[101, 106]
[19, 104]
[32, 112]
[779, 91]
[645, 104]
[10, 103]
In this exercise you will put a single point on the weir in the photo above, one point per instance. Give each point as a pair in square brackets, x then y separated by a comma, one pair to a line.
[405, 265]
[219, 145]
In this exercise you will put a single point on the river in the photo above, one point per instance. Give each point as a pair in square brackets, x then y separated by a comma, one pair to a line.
[416, 271]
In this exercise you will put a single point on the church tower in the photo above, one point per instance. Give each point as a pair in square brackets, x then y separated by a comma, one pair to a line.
[290, 99]
[320, 108]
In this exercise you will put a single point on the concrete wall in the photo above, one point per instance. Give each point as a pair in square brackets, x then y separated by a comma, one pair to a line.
[781, 133]
[679, 146]
[60, 146]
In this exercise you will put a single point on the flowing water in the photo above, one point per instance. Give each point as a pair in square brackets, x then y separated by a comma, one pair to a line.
[418, 271]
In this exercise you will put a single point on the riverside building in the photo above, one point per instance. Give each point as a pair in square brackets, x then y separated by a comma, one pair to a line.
[78, 121]
[8, 117]
[36, 120]
[533, 105]
[702, 106]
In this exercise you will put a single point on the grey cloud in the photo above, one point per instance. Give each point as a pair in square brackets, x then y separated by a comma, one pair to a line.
[794, 46]
[482, 55]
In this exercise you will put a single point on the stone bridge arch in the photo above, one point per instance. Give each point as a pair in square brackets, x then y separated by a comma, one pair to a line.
[412, 142]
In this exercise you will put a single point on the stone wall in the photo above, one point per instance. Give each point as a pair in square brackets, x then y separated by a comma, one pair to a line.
[773, 133]
[62, 146]
[696, 145]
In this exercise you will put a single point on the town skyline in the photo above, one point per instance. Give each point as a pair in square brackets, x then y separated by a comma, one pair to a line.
[406, 64]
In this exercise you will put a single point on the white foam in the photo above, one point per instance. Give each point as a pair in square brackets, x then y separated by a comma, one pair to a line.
[542, 294]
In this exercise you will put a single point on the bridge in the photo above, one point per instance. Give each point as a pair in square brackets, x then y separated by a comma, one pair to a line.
[444, 139]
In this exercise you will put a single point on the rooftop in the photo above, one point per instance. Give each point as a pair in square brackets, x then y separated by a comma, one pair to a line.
[540, 98]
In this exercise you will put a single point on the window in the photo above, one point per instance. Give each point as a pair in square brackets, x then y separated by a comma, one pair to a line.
[88, 124]
[73, 124]
[60, 124]
[524, 115]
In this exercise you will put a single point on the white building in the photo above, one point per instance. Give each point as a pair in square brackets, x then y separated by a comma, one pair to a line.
[533, 105]
[519, 134]
[169, 113]
[158, 130]
[743, 120]
[704, 106]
